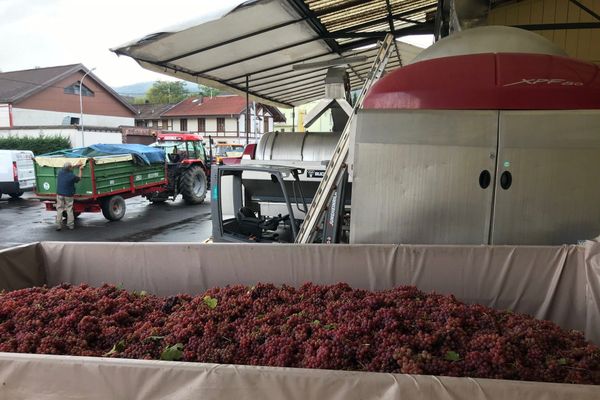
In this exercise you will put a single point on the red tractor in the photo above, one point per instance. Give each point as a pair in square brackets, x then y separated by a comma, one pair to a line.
[187, 168]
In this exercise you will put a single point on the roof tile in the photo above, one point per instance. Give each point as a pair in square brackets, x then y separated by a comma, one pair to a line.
[198, 106]
[151, 111]
[15, 85]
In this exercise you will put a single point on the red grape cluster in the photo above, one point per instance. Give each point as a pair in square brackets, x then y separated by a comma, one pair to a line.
[77, 320]
[401, 330]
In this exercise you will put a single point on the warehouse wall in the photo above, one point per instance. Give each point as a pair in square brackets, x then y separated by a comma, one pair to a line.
[583, 44]
[29, 117]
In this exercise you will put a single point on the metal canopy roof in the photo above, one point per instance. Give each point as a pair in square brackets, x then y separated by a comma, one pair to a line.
[263, 40]
[267, 40]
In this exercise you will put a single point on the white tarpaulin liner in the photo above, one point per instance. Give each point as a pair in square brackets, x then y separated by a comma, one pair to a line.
[68, 378]
[557, 283]
[58, 162]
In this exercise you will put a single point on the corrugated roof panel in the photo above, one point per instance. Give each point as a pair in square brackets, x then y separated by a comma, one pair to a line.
[262, 41]
[292, 77]
[285, 44]
[366, 11]
[231, 69]
[279, 71]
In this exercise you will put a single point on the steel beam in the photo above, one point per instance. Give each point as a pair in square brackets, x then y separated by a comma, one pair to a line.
[285, 91]
[302, 80]
[424, 29]
[220, 81]
[247, 127]
[354, 53]
[309, 89]
[313, 20]
[392, 28]
[587, 10]
[566, 26]
[246, 36]
[384, 20]
[265, 30]
[252, 57]
[282, 65]
[305, 96]
[294, 74]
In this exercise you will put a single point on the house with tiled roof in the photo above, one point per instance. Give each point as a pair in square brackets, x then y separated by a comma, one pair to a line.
[150, 115]
[223, 117]
[47, 101]
[50, 96]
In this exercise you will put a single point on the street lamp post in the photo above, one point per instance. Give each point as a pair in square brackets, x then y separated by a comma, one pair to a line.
[81, 107]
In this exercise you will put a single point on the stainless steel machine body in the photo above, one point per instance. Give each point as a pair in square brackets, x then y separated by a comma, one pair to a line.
[420, 177]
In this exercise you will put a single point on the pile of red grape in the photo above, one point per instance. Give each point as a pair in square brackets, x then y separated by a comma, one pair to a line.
[402, 330]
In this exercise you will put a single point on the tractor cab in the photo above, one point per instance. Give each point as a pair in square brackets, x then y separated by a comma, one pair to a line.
[182, 147]
[188, 167]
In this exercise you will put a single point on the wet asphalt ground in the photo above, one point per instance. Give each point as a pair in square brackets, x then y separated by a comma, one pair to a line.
[26, 220]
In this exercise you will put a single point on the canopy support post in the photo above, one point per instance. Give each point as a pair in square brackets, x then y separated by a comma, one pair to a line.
[247, 109]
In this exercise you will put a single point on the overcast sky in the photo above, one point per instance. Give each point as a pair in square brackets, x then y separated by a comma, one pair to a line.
[44, 33]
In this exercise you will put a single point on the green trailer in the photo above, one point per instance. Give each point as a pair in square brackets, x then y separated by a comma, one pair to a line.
[105, 183]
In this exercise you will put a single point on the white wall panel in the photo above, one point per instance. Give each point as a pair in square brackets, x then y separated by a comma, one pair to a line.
[26, 117]
[4, 115]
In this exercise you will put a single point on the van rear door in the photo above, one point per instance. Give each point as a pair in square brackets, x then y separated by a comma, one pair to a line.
[6, 170]
[25, 169]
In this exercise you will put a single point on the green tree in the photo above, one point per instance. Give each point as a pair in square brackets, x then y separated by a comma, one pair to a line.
[207, 91]
[140, 100]
[163, 92]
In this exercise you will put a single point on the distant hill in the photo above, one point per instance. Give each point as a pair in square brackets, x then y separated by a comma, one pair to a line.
[140, 89]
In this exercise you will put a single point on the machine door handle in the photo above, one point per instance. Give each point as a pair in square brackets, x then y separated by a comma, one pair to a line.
[505, 180]
[485, 178]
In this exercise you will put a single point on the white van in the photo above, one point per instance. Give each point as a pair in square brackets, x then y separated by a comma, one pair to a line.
[17, 174]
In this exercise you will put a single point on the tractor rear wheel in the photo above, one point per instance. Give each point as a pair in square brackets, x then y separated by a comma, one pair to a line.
[113, 208]
[193, 185]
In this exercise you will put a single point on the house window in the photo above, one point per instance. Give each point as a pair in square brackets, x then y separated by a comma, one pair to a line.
[183, 124]
[266, 124]
[220, 124]
[74, 89]
[201, 125]
[165, 124]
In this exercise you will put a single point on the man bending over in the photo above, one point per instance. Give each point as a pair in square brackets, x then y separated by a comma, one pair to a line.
[65, 190]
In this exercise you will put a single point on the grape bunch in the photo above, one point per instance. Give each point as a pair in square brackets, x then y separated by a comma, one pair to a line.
[401, 330]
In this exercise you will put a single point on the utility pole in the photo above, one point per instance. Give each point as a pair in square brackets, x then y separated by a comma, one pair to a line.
[81, 107]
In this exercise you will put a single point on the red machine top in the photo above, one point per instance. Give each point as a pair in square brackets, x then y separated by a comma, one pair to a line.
[187, 137]
[502, 81]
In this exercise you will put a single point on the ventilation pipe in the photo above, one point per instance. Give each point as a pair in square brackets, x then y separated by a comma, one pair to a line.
[457, 15]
